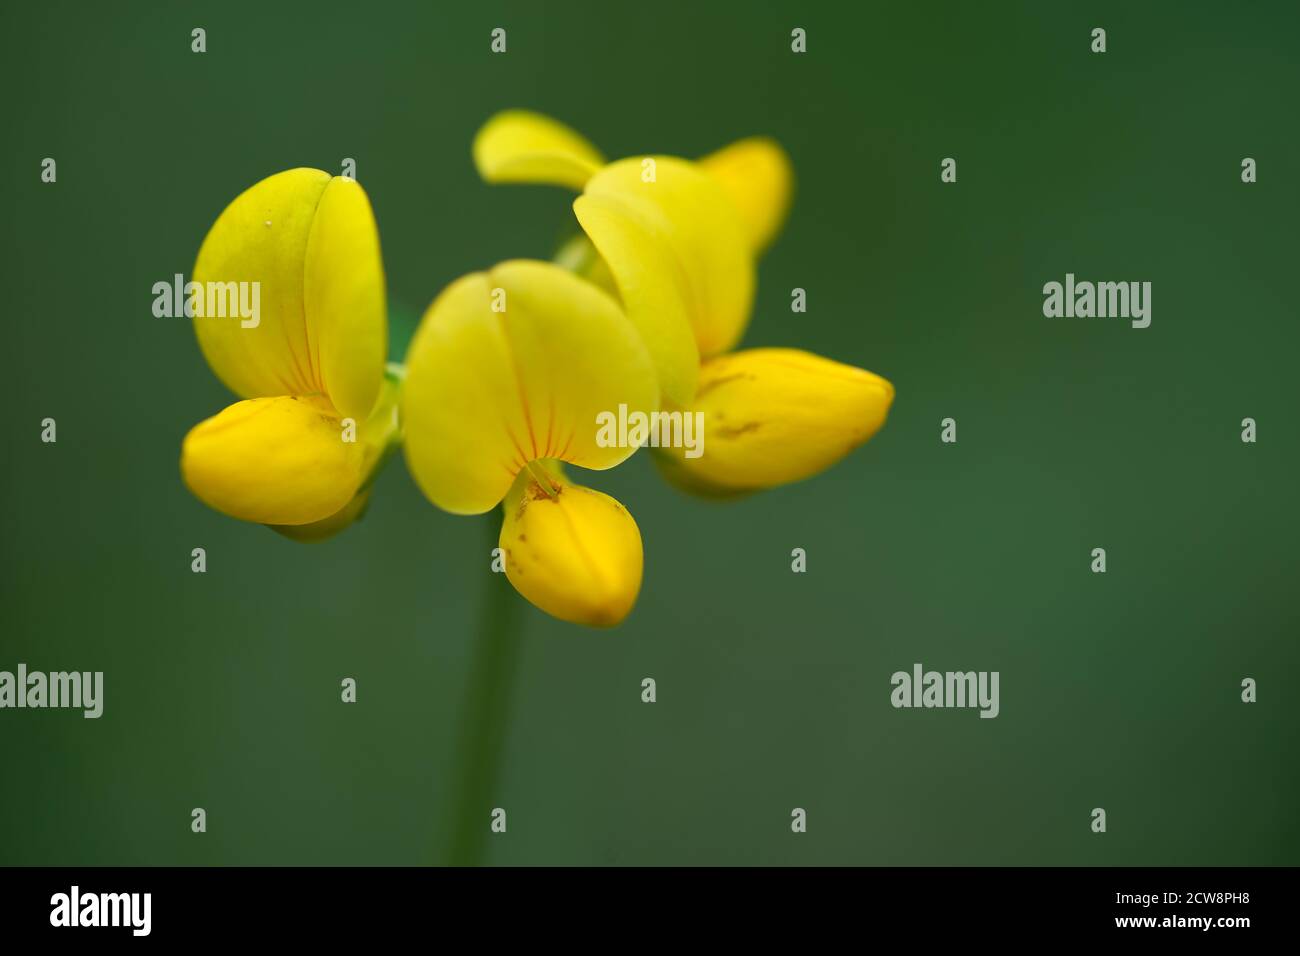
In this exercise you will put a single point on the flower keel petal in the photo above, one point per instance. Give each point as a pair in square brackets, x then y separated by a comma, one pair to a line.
[573, 552]
[774, 416]
[273, 461]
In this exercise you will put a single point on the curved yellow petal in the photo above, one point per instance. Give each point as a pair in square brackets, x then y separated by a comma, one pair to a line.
[518, 146]
[680, 257]
[347, 323]
[261, 238]
[757, 176]
[773, 416]
[303, 247]
[274, 461]
[574, 552]
[512, 365]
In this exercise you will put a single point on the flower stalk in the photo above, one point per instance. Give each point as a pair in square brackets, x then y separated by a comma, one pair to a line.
[485, 717]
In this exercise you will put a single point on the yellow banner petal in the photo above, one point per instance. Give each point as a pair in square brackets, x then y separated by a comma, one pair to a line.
[261, 238]
[573, 552]
[304, 249]
[513, 365]
[273, 461]
[518, 146]
[773, 416]
[347, 313]
[757, 177]
[680, 256]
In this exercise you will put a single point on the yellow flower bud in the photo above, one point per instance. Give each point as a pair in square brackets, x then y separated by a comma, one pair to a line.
[773, 416]
[273, 461]
[573, 552]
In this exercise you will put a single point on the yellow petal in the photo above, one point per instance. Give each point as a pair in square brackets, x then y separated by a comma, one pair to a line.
[347, 321]
[262, 237]
[757, 176]
[488, 391]
[773, 416]
[680, 256]
[310, 244]
[517, 146]
[273, 461]
[573, 552]
[378, 435]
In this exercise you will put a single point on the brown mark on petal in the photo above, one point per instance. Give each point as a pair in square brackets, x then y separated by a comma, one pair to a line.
[735, 431]
[538, 493]
[535, 492]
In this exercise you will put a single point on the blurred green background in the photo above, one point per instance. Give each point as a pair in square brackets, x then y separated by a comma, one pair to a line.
[1118, 691]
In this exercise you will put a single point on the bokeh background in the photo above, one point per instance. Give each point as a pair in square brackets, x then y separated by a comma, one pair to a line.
[1119, 690]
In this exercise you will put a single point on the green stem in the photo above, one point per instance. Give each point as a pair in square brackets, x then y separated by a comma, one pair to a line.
[485, 716]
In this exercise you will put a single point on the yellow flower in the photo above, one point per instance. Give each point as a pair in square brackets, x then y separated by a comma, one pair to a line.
[504, 379]
[318, 413]
[677, 242]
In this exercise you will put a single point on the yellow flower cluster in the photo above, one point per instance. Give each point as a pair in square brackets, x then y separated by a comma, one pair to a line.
[512, 369]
